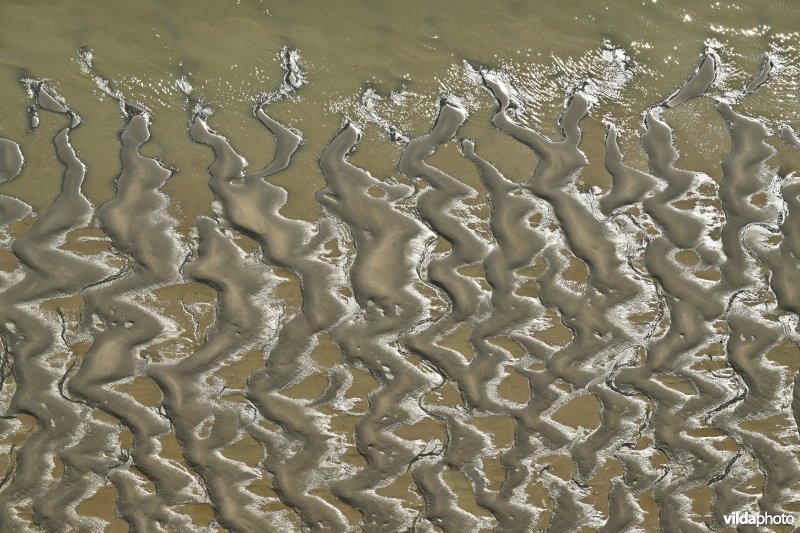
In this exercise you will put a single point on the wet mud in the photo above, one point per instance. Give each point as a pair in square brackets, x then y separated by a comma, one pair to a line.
[486, 323]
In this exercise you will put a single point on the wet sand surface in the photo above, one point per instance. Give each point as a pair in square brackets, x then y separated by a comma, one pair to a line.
[399, 267]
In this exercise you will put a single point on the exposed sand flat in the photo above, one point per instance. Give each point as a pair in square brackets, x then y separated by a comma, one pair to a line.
[449, 307]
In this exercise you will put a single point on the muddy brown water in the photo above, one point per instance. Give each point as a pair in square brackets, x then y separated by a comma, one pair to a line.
[372, 266]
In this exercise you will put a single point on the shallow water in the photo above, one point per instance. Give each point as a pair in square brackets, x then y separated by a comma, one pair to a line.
[398, 267]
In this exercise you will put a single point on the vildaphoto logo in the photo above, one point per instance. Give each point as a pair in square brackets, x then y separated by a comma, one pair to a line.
[758, 519]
